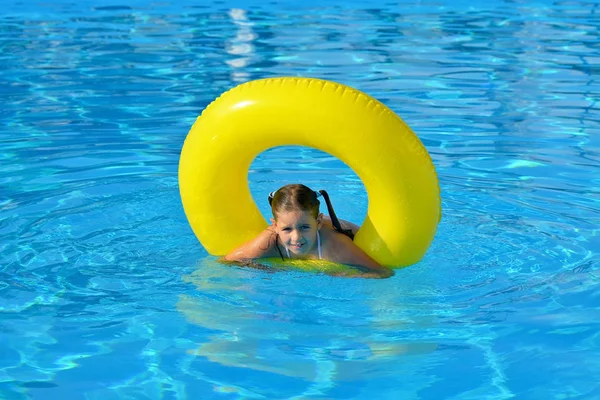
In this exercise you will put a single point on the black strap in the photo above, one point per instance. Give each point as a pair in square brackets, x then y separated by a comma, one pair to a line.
[277, 245]
[334, 219]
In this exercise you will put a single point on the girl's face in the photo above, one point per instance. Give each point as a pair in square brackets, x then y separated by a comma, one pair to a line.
[298, 230]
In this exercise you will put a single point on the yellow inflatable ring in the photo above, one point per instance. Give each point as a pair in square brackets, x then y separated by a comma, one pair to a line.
[394, 166]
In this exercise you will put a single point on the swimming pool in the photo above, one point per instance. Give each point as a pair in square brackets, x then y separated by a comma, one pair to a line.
[105, 293]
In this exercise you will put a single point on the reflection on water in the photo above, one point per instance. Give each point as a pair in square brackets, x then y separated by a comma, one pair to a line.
[241, 46]
[299, 324]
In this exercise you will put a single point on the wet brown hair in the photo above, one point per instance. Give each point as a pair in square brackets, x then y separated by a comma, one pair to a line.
[300, 197]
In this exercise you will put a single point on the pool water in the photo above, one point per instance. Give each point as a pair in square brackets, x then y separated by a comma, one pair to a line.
[105, 293]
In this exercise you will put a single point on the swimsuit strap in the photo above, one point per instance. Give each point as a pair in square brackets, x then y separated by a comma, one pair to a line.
[288, 252]
[319, 245]
[278, 249]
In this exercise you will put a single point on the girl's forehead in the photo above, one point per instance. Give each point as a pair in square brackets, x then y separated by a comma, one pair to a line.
[294, 217]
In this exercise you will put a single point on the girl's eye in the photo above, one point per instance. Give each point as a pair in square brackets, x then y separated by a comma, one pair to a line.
[305, 227]
[287, 229]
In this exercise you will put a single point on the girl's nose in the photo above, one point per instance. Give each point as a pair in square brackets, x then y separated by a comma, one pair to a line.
[296, 236]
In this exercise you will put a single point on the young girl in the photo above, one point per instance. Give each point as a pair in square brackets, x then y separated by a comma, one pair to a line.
[299, 231]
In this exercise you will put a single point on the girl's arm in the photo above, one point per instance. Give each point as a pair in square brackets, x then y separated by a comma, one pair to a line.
[262, 246]
[346, 252]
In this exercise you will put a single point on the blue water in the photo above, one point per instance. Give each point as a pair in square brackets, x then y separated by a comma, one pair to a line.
[105, 293]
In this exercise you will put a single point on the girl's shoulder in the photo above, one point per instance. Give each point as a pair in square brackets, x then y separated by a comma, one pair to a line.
[345, 224]
[334, 241]
[339, 248]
